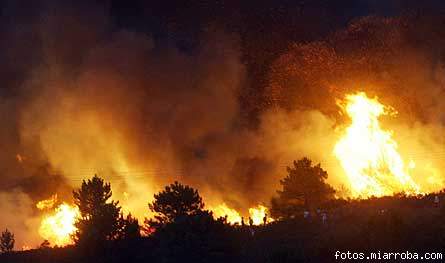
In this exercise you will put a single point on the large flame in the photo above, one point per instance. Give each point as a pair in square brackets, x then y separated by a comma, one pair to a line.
[57, 228]
[256, 214]
[368, 154]
[222, 210]
[259, 215]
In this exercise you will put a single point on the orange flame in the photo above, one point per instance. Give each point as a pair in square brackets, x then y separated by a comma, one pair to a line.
[58, 227]
[26, 247]
[47, 203]
[368, 154]
[233, 217]
[256, 214]
[20, 158]
[259, 214]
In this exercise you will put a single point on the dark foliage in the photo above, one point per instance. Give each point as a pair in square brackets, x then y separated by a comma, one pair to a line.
[303, 188]
[175, 201]
[6, 241]
[129, 227]
[99, 217]
[195, 238]
[45, 244]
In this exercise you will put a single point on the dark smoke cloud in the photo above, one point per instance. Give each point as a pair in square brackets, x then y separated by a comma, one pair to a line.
[383, 56]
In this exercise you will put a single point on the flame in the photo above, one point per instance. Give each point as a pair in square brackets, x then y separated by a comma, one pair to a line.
[20, 158]
[368, 154]
[222, 210]
[58, 227]
[47, 203]
[26, 247]
[257, 214]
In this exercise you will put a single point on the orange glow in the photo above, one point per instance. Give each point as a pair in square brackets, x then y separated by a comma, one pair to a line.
[19, 158]
[257, 214]
[57, 228]
[233, 217]
[94, 148]
[26, 247]
[369, 154]
[47, 203]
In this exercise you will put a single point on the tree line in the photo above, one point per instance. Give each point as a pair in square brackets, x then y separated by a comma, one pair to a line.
[101, 218]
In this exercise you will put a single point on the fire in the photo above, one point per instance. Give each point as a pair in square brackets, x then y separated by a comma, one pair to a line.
[58, 227]
[258, 214]
[20, 158]
[26, 247]
[47, 203]
[233, 217]
[368, 153]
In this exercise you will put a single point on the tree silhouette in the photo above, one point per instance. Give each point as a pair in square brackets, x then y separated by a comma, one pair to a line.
[129, 227]
[196, 238]
[45, 244]
[6, 241]
[303, 188]
[99, 220]
[175, 201]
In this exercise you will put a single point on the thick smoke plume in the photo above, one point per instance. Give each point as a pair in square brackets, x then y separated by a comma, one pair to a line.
[89, 98]
[97, 100]
[400, 60]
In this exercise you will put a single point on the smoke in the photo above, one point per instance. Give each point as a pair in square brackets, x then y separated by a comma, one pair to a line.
[128, 111]
[17, 217]
[380, 55]
[399, 60]
[89, 97]
[106, 101]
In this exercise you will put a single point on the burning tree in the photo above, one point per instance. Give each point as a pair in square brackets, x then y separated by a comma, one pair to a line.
[99, 217]
[175, 201]
[303, 188]
[7, 241]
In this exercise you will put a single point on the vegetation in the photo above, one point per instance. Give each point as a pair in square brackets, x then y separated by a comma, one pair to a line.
[45, 244]
[6, 241]
[174, 202]
[129, 227]
[99, 219]
[304, 188]
[183, 231]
